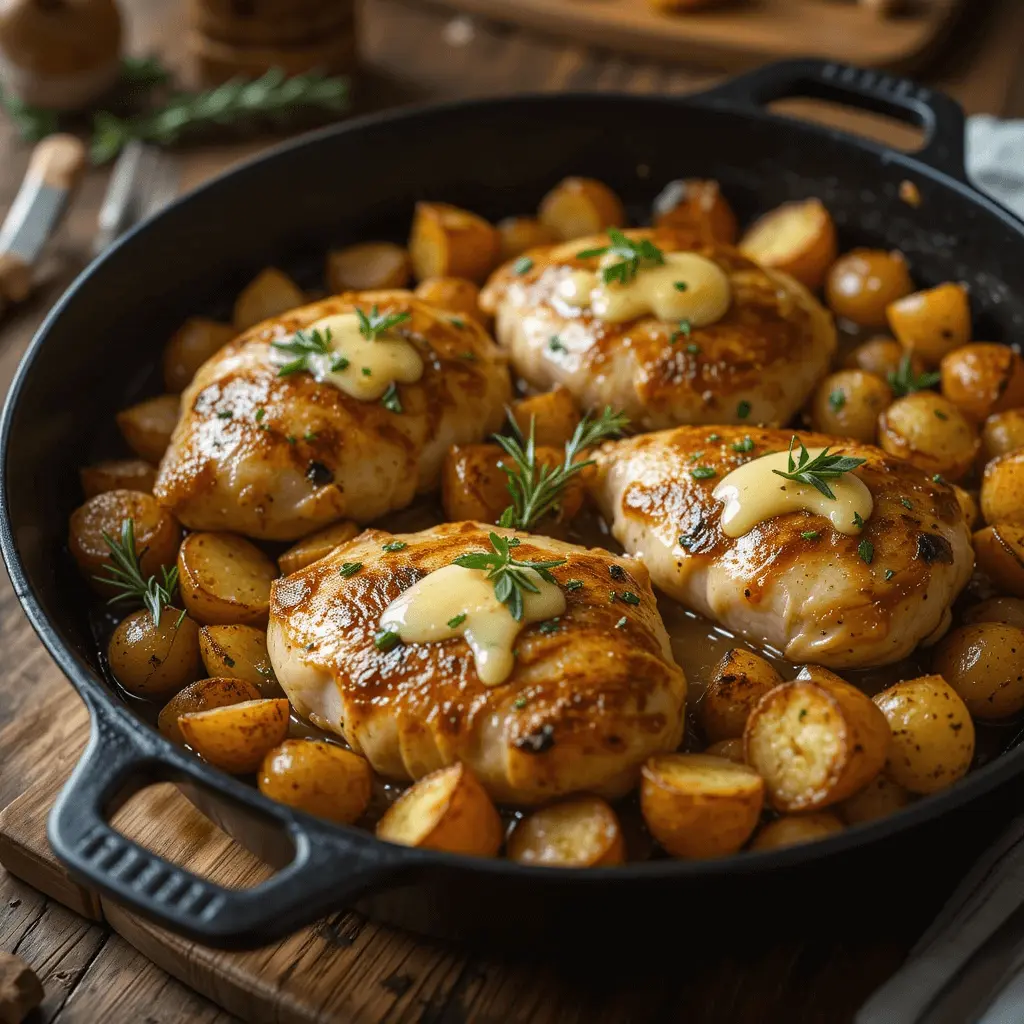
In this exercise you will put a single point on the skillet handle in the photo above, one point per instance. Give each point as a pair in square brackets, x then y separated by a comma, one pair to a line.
[941, 117]
[328, 870]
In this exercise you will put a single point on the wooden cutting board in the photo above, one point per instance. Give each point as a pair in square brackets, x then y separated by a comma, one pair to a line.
[740, 34]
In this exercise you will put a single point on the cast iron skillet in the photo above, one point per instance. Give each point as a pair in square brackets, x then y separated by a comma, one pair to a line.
[359, 180]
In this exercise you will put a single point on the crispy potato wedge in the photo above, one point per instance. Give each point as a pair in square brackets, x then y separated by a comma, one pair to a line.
[932, 734]
[224, 579]
[270, 293]
[319, 778]
[731, 749]
[815, 741]
[930, 431]
[1002, 489]
[367, 266]
[555, 416]
[201, 696]
[881, 356]
[983, 378]
[581, 832]
[239, 652]
[157, 534]
[154, 660]
[848, 403]
[699, 206]
[999, 554]
[738, 682]
[968, 505]
[456, 295]
[797, 238]
[984, 663]
[795, 829]
[316, 546]
[1009, 610]
[933, 322]
[518, 234]
[1002, 432]
[862, 283]
[147, 426]
[450, 242]
[700, 806]
[878, 799]
[446, 810]
[236, 737]
[189, 347]
[117, 475]
[580, 206]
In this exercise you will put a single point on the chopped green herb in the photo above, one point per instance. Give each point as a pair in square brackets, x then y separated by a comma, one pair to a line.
[940, 414]
[810, 535]
[858, 520]
[629, 597]
[469, 357]
[693, 348]
[291, 439]
[746, 445]
[695, 456]
[682, 332]
[714, 437]
[377, 323]
[367, 372]
[519, 703]
[680, 286]
[803, 714]
[350, 569]
[938, 478]
[743, 410]
[818, 470]
[904, 381]
[390, 399]
[339, 363]
[395, 545]
[573, 584]
[456, 620]
[555, 344]
[522, 265]
[866, 550]
[551, 626]
[621, 624]
[616, 571]
[309, 435]
[385, 640]
[631, 257]
[687, 540]
[457, 321]
[906, 503]
[260, 413]
[303, 345]
[889, 573]
[229, 661]
[837, 399]
[225, 414]
[703, 472]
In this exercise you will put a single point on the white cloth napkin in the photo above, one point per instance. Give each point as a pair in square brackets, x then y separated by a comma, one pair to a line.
[995, 159]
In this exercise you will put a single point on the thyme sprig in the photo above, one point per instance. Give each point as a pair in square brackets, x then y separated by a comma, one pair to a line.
[302, 345]
[631, 257]
[819, 469]
[904, 381]
[374, 325]
[125, 575]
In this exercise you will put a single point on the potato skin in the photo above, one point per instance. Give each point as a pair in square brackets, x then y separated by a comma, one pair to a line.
[999, 553]
[932, 734]
[201, 696]
[700, 806]
[848, 403]
[1009, 610]
[319, 778]
[189, 347]
[1002, 489]
[968, 505]
[581, 832]
[797, 238]
[878, 799]
[518, 234]
[580, 206]
[367, 266]
[117, 475]
[863, 282]
[224, 579]
[239, 652]
[457, 295]
[983, 378]
[270, 293]
[699, 206]
[929, 431]
[795, 829]
[881, 356]
[738, 682]
[315, 546]
[555, 416]
[1002, 432]
[984, 663]
[236, 737]
[447, 241]
[148, 425]
[152, 661]
[932, 322]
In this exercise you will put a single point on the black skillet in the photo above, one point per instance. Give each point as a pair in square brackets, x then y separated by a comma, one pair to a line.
[97, 350]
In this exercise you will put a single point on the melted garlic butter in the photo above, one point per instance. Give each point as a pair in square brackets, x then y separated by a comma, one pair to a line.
[427, 610]
[753, 493]
[704, 300]
[389, 359]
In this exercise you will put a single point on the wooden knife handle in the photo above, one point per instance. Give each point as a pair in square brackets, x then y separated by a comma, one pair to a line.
[15, 278]
[58, 162]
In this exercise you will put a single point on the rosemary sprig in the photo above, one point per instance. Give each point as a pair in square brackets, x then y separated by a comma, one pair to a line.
[32, 123]
[374, 325]
[904, 381]
[536, 490]
[631, 256]
[302, 345]
[507, 573]
[125, 575]
[819, 469]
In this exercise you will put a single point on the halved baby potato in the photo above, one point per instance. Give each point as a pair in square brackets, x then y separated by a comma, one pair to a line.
[881, 356]
[796, 829]
[270, 293]
[797, 238]
[153, 660]
[316, 546]
[848, 403]
[932, 322]
[738, 682]
[698, 805]
[968, 505]
[878, 799]
[815, 741]
[190, 346]
[731, 749]
[555, 416]
[1002, 489]
[581, 832]
[224, 579]
[699, 206]
[239, 652]
[447, 241]
[999, 554]
[929, 431]
[454, 295]
[983, 378]
[1009, 610]
[319, 778]
[367, 266]
[984, 663]
[1003, 432]
[932, 741]
[518, 234]
[236, 737]
[446, 810]
[117, 475]
[148, 425]
[580, 206]
[201, 696]
[863, 282]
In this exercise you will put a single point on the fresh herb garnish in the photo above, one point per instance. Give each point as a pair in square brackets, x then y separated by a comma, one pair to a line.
[714, 437]
[519, 703]
[693, 348]
[743, 410]
[939, 414]
[680, 286]
[367, 372]
[309, 435]
[339, 363]
[385, 640]
[906, 503]
[225, 414]
[746, 445]
[938, 478]
[866, 550]
[303, 345]
[395, 545]
[125, 575]
[260, 413]
[456, 620]
[573, 584]
[469, 357]
[687, 540]
[349, 569]
[555, 344]
[621, 624]
[703, 472]
[628, 597]
[818, 470]
[904, 381]
[682, 332]
[550, 626]
[858, 520]
[522, 265]
[810, 535]
[374, 325]
[630, 256]
[616, 571]
[889, 573]
[457, 321]
[390, 399]
[837, 399]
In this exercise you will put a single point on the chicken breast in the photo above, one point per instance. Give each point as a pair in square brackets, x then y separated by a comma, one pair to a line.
[277, 457]
[758, 363]
[592, 693]
[793, 582]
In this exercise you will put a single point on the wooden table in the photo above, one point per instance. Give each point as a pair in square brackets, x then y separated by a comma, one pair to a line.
[411, 53]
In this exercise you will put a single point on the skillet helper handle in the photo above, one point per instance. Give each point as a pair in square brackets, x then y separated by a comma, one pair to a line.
[328, 871]
[940, 116]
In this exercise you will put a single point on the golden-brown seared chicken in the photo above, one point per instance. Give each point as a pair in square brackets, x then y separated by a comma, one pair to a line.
[276, 457]
[591, 695]
[793, 582]
[759, 362]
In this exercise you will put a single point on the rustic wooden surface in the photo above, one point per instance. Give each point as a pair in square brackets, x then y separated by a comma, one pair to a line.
[410, 53]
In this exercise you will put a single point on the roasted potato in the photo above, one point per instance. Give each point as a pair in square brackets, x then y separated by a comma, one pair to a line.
[848, 403]
[1002, 432]
[315, 546]
[117, 475]
[270, 293]
[933, 322]
[983, 378]
[984, 663]
[581, 832]
[147, 426]
[698, 805]
[449, 242]
[863, 282]
[878, 799]
[368, 266]
[239, 652]
[446, 810]
[154, 660]
[1009, 610]
[1002, 489]
[882, 357]
[797, 238]
[580, 206]
[999, 554]
[319, 778]
[518, 234]
[699, 206]
[928, 430]
[555, 416]
[968, 505]
[190, 346]
[796, 829]
[456, 295]
[224, 579]
[731, 749]
[157, 534]
[932, 734]
[815, 741]
[738, 682]
[236, 737]
[201, 696]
